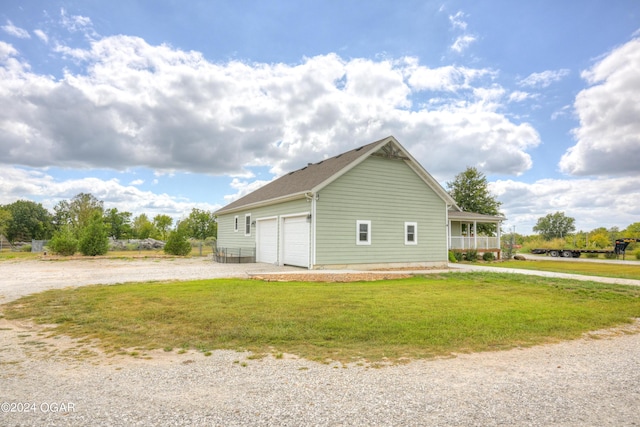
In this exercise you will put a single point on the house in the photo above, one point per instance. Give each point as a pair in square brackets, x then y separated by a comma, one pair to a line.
[371, 207]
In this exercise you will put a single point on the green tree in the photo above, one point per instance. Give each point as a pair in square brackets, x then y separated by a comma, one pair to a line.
[600, 238]
[470, 190]
[64, 242]
[118, 223]
[162, 224]
[78, 212]
[555, 225]
[142, 227]
[178, 243]
[29, 220]
[632, 231]
[94, 240]
[201, 224]
[5, 219]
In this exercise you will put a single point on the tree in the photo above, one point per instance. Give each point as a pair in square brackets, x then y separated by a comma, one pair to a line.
[5, 219]
[142, 227]
[555, 225]
[633, 231]
[118, 223]
[94, 240]
[470, 190]
[29, 220]
[162, 224]
[177, 243]
[201, 224]
[78, 212]
[599, 238]
[64, 242]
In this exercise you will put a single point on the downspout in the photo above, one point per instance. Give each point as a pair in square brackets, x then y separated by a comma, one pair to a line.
[447, 225]
[313, 198]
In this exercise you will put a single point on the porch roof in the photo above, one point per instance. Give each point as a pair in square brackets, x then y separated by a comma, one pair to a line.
[472, 216]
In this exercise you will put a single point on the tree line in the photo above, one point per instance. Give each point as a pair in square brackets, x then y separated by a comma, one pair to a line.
[83, 222]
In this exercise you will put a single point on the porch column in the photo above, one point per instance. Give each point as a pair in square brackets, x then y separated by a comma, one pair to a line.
[475, 236]
[498, 226]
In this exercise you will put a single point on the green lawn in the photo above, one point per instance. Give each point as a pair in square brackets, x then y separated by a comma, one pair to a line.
[420, 317]
[624, 271]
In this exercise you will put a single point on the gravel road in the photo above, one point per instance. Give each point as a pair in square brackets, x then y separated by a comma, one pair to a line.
[59, 382]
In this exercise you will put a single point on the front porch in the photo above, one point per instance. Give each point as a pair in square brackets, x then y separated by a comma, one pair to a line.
[463, 232]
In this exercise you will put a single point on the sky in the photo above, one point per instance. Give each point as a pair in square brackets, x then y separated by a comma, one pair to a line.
[159, 107]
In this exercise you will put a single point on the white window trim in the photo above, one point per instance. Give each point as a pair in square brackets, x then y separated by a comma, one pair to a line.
[406, 233]
[247, 225]
[235, 223]
[368, 224]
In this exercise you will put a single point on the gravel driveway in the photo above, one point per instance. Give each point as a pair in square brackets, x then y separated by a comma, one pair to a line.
[55, 381]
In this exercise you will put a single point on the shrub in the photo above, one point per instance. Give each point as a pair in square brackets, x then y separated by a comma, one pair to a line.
[94, 240]
[638, 255]
[25, 248]
[459, 256]
[177, 244]
[472, 255]
[452, 257]
[488, 256]
[63, 242]
[610, 255]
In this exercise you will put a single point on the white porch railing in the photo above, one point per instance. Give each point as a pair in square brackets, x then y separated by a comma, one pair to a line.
[479, 242]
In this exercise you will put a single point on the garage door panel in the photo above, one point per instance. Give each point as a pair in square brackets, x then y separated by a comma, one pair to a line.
[267, 241]
[296, 241]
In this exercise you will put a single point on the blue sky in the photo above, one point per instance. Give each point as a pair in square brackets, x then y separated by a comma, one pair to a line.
[163, 106]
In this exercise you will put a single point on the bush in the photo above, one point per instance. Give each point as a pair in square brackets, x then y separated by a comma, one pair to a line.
[94, 240]
[610, 255]
[459, 256]
[638, 255]
[177, 244]
[488, 256]
[472, 255]
[452, 257]
[25, 248]
[63, 242]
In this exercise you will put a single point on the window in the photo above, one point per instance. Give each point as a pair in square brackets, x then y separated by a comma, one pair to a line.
[363, 232]
[235, 223]
[247, 225]
[410, 233]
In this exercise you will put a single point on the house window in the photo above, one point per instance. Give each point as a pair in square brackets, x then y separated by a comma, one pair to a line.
[410, 233]
[363, 232]
[235, 223]
[247, 225]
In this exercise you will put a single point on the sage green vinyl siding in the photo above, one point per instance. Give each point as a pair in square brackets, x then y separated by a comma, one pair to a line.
[388, 193]
[227, 238]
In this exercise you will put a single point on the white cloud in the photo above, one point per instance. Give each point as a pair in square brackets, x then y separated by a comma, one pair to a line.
[457, 21]
[519, 96]
[593, 202]
[139, 105]
[462, 42]
[137, 182]
[243, 188]
[18, 183]
[41, 35]
[608, 138]
[12, 30]
[545, 78]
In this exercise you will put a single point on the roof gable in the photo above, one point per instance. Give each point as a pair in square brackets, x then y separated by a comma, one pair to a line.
[315, 176]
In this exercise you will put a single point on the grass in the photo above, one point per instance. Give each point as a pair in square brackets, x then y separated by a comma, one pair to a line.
[420, 317]
[625, 271]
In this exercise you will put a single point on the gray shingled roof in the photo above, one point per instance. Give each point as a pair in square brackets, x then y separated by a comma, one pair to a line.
[310, 177]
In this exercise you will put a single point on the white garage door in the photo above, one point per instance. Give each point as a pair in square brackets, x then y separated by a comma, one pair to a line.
[295, 234]
[267, 240]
